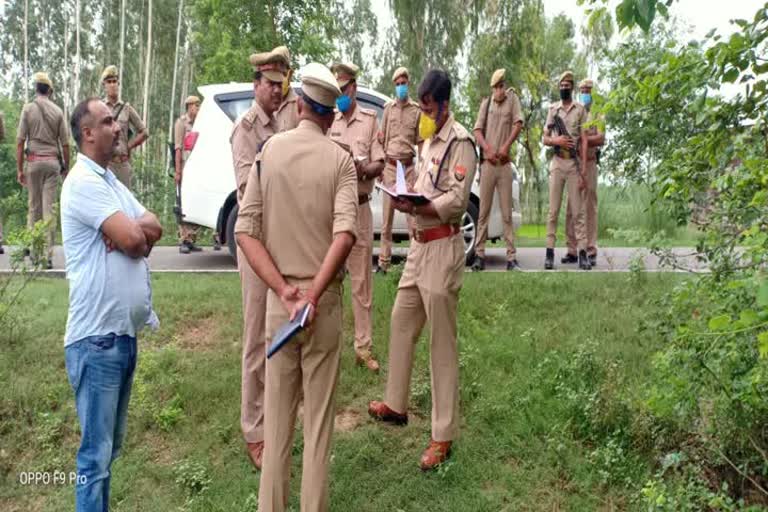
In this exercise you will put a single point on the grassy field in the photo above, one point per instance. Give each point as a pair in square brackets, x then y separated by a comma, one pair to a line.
[532, 346]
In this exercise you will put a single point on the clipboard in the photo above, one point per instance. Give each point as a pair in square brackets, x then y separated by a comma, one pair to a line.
[288, 330]
[401, 189]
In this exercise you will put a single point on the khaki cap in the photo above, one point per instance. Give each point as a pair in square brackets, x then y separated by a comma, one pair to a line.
[319, 84]
[498, 76]
[345, 72]
[271, 65]
[42, 78]
[401, 71]
[567, 76]
[285, 54]
[109, 72]
[192, 99]
[587, 82]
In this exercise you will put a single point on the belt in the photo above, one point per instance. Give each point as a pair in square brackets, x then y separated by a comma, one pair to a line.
[565, 155]
[431, 234]
[407, 162]
[120, 159]
[362, 199]
[32, 157]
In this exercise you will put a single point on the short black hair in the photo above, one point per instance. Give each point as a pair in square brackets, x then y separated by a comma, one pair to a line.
[75, 123]
[437, 84]
[257, 75]
[43, 89]
[316, 107]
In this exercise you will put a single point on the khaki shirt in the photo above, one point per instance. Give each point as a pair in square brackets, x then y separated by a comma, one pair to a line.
[128, 119]
[180, 130]
[594, 126]
[400, 129]
[448, 187]
[287, 115]
[42, 121]
[501, 119]
[360, 134]
[304, 193]
[573, 117]
[248, 135]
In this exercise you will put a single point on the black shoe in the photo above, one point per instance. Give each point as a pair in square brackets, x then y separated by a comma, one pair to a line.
[593, 260]
[569, 258]
[184, 248]
[549, 260]
[194, 248]
[216, 245]
[381, 270]
[27, 253]
[513, 265]
[479, 264]
[584, 261]
[2, 251]
[48, 264]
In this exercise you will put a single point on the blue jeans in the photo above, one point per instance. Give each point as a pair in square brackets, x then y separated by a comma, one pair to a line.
[100, 371]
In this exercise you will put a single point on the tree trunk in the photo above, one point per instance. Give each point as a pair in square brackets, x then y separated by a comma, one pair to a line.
[26, 49]
[122, 46]
[76, 89]
[65, 99]
[146, 67]
[173, 82]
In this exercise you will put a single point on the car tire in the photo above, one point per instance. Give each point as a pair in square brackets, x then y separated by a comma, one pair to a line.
[230, 232]
[469, 222]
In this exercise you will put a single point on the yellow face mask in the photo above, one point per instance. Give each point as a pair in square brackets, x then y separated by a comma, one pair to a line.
[427, 126]
[287, 83]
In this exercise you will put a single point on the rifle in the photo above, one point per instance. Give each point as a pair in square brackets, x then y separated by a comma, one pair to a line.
[558, 127]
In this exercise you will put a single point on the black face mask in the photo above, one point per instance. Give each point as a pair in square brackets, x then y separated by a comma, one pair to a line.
[565, 94]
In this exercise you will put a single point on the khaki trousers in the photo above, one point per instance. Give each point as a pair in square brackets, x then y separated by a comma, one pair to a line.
[388, 178]
[309, 363]
[123, 171]
[589, 199]
[360, 266]
[188, 233]
[42, 185]
[254, 352]
[428, 293]
[496, 178]
[564, 173]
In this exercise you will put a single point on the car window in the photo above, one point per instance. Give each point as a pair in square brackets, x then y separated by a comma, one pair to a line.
[235, 104]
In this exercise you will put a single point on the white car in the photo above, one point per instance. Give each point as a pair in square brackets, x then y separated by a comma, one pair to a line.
[208, 189]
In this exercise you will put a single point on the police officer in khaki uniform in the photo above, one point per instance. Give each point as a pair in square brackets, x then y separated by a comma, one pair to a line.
[566, 169]
[183, 146]
[357, 129]
[129, 121]
[296, 227]
[251, 131]
[287, 115]
[595, 134]
[43, 129]
[429, 288]
[399, 135]
[498, 125]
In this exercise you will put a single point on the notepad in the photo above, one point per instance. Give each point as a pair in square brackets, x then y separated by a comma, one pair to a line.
[288, 330]
[401, 189]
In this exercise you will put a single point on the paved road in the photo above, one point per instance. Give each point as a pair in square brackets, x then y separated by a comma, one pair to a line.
[615, 259]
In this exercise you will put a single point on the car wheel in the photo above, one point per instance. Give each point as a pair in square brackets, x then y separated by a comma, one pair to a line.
[469, 231]
[230, 232]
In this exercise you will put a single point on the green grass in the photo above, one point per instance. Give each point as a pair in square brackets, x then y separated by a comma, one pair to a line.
[528, 342]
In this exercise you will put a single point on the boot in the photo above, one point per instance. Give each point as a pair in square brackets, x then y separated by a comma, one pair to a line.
[479, 264]
[569, 258]
[549, 259]
[584, 261]
[184, 248]
[593, 259]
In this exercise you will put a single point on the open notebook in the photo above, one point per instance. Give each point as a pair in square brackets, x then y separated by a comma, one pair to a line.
[401, 189]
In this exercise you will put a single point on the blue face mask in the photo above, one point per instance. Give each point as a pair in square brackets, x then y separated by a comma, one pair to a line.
[343, 103]
[586, 99]
[401, 91]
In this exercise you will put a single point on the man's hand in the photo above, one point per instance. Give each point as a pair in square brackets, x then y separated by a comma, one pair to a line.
[403, 205]
[21, 179]
[564, 141]
[290, 297]
[299, 305]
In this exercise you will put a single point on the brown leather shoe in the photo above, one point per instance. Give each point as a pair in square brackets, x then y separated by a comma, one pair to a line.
[435, 454]
[256, 452]
[381, 411]
[368, 361]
